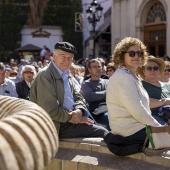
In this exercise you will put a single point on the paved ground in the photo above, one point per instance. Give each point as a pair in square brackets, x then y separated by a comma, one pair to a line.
[105, 161]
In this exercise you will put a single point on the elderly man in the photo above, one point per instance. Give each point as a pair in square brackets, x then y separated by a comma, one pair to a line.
[54, 91]
[7, 86]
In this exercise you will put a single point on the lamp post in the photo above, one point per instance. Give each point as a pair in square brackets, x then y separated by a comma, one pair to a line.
[94, 13]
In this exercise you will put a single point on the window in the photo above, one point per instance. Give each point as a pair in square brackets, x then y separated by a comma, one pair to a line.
[157, 35]
[156, 13]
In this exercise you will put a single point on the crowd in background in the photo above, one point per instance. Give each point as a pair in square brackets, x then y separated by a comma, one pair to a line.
[79, 69]
[14, 68]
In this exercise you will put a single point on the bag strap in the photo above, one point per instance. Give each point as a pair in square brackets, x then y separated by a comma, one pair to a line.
[145, 142]
[160, 129]
[148, 132]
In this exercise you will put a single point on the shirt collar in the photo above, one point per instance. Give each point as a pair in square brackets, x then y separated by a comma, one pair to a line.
[4, 83]
[67, 73]
[28, 83]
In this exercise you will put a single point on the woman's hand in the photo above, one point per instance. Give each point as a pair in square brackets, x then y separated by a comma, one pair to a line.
[154, 103]
[166, 101]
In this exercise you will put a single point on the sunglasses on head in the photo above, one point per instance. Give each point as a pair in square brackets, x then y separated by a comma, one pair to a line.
[132, 53]
[29, 72]
[149, 68]
[168, 70]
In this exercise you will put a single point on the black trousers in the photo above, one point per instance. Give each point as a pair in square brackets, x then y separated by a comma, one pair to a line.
[123, 146]
[69, 130]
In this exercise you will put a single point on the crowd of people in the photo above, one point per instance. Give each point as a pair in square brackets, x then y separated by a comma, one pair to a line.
[114, 100]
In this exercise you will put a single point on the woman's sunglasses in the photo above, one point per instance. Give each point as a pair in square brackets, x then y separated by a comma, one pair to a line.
[132, 53]
[149, 68]
[168, 70]
[13, 74]
[29, 72]
[109, 70]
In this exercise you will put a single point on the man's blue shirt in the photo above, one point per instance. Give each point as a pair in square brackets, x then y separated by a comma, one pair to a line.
[68, 96]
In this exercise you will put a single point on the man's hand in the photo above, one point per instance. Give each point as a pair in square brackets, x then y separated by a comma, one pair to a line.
[76, 117]
[87, 121]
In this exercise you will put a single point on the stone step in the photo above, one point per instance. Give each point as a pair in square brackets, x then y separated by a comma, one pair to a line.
[92, 154]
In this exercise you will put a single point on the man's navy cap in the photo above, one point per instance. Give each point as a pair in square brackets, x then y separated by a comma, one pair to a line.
[66, 46]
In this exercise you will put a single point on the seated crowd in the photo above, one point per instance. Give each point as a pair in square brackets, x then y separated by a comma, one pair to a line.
[96, 99]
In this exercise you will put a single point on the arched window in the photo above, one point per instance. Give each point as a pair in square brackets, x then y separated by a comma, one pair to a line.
[156, 13]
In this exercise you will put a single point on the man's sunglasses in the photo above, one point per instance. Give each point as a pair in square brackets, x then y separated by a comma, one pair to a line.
[168, 70]
[149, 68]
[132, 53]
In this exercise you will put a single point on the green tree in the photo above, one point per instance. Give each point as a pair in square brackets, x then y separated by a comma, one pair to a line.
[62, 13]
[11, 23]
[14, 14]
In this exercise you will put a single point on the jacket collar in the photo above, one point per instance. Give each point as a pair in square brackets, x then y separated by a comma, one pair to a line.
[55, 71]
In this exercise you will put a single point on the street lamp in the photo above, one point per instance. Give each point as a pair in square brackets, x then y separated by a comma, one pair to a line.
[94, 13]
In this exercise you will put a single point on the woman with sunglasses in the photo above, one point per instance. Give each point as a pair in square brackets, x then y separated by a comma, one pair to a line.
[110, 69]
[159, 92]
[127, 101]
[165, 77]
[23, 87]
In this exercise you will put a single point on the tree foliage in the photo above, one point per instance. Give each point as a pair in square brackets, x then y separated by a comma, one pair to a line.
[62, 13]
[14, 14]
[12, 19]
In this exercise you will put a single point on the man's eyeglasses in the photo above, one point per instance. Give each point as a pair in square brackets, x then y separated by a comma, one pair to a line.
[95, 67]
[168, 70]
[149, 68]
[29, 72]
[132, 53]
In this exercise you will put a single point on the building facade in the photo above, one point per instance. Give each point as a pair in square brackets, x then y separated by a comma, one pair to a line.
[148, 20]
[101, 44]
[44, 35]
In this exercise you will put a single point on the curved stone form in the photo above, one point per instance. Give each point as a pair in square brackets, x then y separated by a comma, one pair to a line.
[28, 137]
